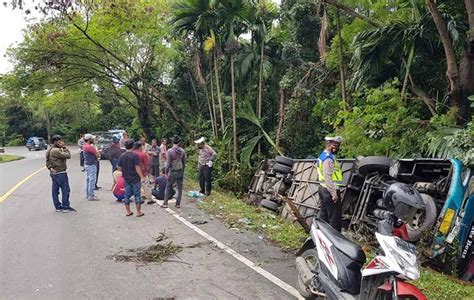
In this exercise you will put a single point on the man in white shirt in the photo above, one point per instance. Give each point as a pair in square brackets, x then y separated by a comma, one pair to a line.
[207, 155]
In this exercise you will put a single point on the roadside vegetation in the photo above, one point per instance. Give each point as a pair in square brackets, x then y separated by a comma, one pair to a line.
[4, 158]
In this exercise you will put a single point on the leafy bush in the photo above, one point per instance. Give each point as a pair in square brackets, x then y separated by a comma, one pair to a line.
[15, 140]
[452, 142]
[380, 123]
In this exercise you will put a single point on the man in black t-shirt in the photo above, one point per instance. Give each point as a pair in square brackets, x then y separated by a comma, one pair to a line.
[129, 164]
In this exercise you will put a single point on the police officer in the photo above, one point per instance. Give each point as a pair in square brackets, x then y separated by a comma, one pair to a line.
[330, 176]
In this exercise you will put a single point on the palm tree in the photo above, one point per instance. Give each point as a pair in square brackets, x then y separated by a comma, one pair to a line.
[398, 40]
[200, 18]
[231, 13]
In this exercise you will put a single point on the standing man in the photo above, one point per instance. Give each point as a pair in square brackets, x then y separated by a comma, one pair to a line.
[154, 153]
[163, 149]
[122, 141]
[145, 145]
[96, 186]
[145, 167]
[114, 153]
[56, 163]
[91, 156]
[80, 144]
[330, 176]
[129, 164]
[205, 161]
[174, 171]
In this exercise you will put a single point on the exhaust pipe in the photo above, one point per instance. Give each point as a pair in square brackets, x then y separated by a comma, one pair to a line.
[303, 270]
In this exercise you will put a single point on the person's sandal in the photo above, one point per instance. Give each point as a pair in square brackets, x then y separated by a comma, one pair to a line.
[130, 214]
[164, 206]
[140, 215]
[178, 206]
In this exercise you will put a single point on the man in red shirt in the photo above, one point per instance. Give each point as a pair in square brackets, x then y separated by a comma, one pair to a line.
[119, 186]
[145, 166]
[91, 156]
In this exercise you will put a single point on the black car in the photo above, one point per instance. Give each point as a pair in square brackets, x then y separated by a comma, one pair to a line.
[36, 143]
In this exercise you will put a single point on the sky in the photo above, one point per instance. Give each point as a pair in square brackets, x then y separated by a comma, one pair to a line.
[12, 23]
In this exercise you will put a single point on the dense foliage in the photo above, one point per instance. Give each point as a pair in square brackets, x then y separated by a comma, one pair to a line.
[392, 77]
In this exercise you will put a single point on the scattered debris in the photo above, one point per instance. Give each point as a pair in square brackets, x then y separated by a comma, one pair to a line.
[199, 222]
[155, 253]
[198, 245]
[246, 221]
[161, 237]
[195, 194]
[237, 230]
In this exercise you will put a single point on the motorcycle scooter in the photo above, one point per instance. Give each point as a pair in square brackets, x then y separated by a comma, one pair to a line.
[329, 265]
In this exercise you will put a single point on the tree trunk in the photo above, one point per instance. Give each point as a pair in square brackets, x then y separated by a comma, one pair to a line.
[423, 96]
[350, 11]
[213, 102]
[341, 64]
[209, 106]
[260, 89]
[466, 65]
[48, 125]
[234, 110]
[452, 71]
[260, 81]
[144, 115]
[218, 89]
[281, 117]
[408, 63]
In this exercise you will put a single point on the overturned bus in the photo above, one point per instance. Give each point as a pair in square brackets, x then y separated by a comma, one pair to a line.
[290, 188]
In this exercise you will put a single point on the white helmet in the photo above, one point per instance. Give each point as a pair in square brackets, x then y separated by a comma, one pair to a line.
[200, 140]
[336, 139]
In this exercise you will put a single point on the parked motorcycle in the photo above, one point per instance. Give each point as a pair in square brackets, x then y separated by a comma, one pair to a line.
[329, 265]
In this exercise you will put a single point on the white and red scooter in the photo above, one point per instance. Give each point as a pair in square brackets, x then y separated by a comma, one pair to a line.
[329, 265]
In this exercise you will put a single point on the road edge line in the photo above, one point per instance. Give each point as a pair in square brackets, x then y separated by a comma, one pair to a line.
[16, 186]
[275, 280]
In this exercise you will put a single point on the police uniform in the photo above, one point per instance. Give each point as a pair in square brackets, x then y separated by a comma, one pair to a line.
[330, 177]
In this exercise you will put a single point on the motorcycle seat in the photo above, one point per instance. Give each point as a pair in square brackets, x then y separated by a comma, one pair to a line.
[340, 242]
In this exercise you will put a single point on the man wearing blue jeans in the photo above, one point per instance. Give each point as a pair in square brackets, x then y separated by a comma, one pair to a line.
[56, 163]
[91, 156]
[129, 164]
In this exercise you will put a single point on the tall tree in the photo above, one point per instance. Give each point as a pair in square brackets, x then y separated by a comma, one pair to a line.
[458, 92]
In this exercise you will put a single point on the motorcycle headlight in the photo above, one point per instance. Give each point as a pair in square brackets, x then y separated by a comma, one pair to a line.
[410, 269]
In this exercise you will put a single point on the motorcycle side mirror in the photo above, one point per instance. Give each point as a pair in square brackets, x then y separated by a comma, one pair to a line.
[385, 227]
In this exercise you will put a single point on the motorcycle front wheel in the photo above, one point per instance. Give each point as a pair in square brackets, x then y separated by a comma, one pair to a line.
[311, 258]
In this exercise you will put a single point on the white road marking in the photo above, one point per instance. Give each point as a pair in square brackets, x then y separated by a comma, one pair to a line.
[285, 286]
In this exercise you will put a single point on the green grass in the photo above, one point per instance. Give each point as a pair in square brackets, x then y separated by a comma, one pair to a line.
[439, 286]
[230, 209]
[8, 157]
[289, 236]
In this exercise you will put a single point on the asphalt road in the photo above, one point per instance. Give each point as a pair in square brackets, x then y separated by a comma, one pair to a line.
[13, 172]
[50, 255]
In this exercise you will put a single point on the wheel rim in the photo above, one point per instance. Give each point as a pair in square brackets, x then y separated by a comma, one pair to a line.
[417, 220]
[312, 261]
